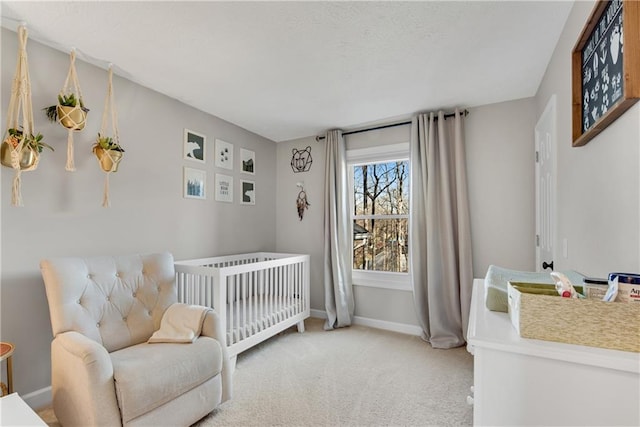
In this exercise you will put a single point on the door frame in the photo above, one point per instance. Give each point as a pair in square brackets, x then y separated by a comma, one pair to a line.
[549, 113]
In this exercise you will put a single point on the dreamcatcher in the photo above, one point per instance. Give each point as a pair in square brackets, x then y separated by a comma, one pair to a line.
[301, 202]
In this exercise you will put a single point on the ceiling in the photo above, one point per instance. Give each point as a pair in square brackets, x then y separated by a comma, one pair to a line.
[286, 70]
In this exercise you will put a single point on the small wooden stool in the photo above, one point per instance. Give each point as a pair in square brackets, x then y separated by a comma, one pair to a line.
[6, 351]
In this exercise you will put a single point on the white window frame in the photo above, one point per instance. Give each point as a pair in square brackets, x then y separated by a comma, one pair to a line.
[363, 156]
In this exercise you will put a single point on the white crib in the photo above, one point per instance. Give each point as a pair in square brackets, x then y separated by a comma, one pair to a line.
[257, 295]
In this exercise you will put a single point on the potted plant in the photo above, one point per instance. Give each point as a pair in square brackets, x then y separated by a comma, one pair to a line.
[30, 151]
[108, 152]
[70, 111]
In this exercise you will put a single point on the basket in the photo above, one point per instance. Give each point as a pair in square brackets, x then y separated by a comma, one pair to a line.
[537, 311]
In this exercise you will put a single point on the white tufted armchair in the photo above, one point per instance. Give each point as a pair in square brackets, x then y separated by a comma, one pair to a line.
[103, 310]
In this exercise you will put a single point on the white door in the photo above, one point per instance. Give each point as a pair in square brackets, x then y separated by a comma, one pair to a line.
[545, 134]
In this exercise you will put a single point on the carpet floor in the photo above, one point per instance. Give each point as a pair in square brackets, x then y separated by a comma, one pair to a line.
[355, 376]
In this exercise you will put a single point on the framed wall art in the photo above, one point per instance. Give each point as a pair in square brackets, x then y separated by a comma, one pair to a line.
[605, 68]
[195, 181]
[224, 188]
[194, 146]
[248, 161]
[224, 154]
[248, 195]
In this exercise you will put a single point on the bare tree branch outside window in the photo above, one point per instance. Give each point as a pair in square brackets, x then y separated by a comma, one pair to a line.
[381, 214]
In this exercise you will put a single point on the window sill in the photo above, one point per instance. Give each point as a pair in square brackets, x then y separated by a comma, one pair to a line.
[393, 281]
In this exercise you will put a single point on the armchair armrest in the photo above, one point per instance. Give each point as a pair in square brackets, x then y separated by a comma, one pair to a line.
[212, 327]
[82, 382]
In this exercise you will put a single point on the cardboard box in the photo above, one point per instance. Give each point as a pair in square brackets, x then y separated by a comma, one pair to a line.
[594, 291]
[538, 312]
[628, 286]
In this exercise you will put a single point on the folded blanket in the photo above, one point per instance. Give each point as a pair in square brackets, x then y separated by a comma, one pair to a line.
[181, 323]
[495, 283]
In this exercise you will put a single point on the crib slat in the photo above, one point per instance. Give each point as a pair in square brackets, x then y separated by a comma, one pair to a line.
[271, 297]
[278, 292]
[244, 309]
[250, 297]
[261, 298]
[238, 308]
[290, 291]
[232, 294]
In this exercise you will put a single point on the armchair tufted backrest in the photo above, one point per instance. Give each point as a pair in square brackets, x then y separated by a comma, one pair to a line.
[117, 301]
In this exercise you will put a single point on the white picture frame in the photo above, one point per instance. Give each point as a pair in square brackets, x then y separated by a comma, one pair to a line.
[194, 145]
[194, 184]
[248, 161]
[247, 192]
[224, 154]
[224, 188]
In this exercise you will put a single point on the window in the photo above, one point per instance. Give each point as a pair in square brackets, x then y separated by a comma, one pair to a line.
[380, 214]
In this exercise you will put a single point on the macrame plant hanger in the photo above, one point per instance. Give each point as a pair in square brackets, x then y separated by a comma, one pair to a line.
[73, 118]
[20, 102]
[109, 112]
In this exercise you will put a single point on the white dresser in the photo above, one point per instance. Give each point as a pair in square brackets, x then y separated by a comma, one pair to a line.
[519, 381]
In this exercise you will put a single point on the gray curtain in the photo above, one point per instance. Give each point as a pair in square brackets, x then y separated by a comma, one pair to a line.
[440, 234]
[338, 289]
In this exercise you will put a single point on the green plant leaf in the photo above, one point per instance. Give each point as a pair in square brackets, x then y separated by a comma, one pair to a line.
[107, 143]
[52, 113]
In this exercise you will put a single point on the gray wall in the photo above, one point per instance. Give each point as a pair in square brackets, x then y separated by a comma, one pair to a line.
[598, 184]
[62, 213]
[306, 236]
[500, 162]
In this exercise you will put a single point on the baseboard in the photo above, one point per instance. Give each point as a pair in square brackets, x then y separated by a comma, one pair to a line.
[318, 314]
[403, 328]
[38, 399]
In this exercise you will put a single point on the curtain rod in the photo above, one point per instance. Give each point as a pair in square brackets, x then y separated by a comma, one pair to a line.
[319, 138]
